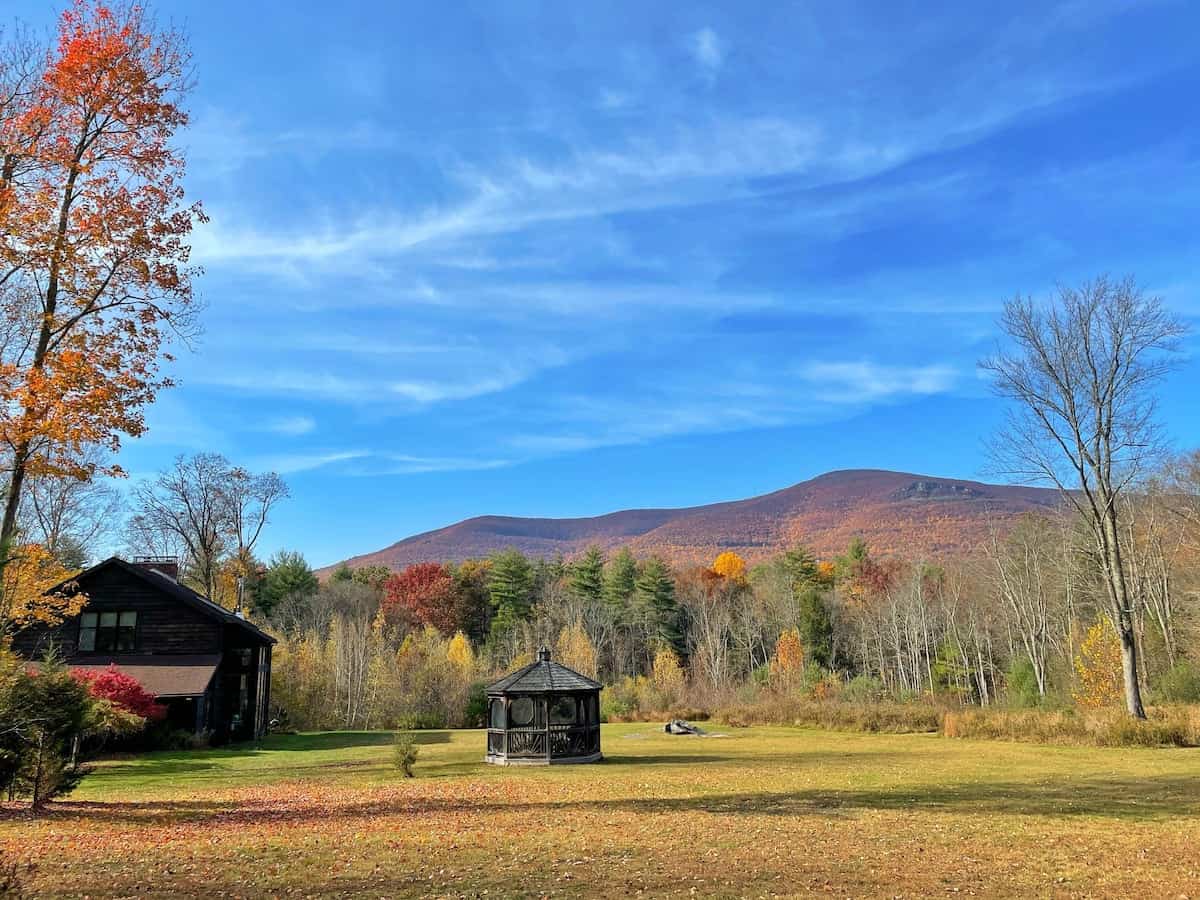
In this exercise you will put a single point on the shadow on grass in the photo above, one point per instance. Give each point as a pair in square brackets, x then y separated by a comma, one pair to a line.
[217, 762]
[1134, 799]
[342, 740]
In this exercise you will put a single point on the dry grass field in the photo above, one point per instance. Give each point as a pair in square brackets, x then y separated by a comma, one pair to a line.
[760, 812]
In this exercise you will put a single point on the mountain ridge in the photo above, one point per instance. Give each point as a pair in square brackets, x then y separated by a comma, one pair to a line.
[895, 512]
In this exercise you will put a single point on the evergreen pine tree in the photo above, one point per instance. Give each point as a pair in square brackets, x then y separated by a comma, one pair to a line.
[654, 589]
[852, 560]
[510, 586]
[801, 566]
[620, 578]
[288, 574]
[546, 572]
[816, 627]
[587, 576]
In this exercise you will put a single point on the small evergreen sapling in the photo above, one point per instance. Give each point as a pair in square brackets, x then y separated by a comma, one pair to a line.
[405, 751]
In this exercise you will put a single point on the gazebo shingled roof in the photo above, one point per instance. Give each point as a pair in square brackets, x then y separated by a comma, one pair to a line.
[543, 676]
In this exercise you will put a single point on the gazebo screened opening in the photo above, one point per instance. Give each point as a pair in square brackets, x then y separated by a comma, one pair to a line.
[543, 714]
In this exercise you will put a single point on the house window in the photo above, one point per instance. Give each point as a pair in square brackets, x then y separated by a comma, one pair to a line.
[106, 632]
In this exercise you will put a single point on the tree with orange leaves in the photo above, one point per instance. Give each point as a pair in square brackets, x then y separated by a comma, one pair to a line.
[730, 565]
[787, 664]
[94, 268]
[26, 595]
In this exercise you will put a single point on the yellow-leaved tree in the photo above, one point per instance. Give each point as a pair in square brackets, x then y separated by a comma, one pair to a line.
[460, 654]
[24, 599]
[667, 673]
[787, 665]
[730, 565]
[575, 650]
[1098, 667]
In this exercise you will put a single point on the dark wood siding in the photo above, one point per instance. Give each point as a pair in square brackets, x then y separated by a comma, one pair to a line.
[165, 625]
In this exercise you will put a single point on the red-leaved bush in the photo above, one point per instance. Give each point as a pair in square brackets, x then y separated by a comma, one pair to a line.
[122, 691]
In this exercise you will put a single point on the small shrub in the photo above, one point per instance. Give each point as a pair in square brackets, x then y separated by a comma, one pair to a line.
[761, 676]
[619, 702]
[1180, 684]
[163, 737]
[863, 689]
[404, 753]
[1021, 688]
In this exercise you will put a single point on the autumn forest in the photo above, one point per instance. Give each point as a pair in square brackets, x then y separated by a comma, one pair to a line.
[833, 655]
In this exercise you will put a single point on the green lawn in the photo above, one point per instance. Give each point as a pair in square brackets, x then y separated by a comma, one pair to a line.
[759, 812]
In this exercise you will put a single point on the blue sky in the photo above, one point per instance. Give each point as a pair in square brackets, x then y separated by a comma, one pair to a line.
[559, 259]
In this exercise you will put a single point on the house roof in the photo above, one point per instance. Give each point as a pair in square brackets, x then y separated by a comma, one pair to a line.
[542, 677]
[172, 676]
[169, 585]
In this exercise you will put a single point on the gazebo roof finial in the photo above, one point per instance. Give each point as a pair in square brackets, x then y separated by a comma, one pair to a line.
[543, 653]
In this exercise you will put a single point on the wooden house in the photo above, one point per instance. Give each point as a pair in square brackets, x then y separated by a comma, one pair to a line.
[209, 666]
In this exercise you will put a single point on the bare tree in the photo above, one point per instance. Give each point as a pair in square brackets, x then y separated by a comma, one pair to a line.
[209, 508]
[67, 515]
[1081, 372]
[709, 601]
[1180, 491]
[249, 499]
[188, 503]
[1027, 581]
[1157, 540]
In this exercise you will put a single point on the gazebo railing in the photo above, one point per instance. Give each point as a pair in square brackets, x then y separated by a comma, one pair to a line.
[526, 744]
[573, 740]
[563, 741]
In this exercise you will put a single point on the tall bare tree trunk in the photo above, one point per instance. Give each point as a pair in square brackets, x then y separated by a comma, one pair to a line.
[1123, 613]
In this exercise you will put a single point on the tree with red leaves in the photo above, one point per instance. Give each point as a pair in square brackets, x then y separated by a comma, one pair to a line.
[425, 592]
[123, 691]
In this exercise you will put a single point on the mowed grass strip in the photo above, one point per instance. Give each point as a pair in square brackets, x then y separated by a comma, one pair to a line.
[759, 812]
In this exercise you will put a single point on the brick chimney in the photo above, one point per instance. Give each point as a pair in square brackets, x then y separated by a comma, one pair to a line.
[164, 565]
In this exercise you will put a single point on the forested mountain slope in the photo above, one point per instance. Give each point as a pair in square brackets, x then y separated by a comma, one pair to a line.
[917, 515]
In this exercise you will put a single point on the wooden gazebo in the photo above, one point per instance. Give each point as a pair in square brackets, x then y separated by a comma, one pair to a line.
[543, 714]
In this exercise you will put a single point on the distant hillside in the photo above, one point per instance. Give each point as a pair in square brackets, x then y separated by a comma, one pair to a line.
[894, 512]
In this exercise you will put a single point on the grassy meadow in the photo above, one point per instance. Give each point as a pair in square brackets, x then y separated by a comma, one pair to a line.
[759, 812]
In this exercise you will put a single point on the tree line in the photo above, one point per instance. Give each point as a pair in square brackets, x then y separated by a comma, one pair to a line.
[1023, 621]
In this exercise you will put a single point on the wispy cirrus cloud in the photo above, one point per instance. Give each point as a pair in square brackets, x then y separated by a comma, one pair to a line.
[290, 426]
[379, 464]
[294, 463]
[732, 400]
[357, 389]
[366, 463]
[863, 381]
[682, 163]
